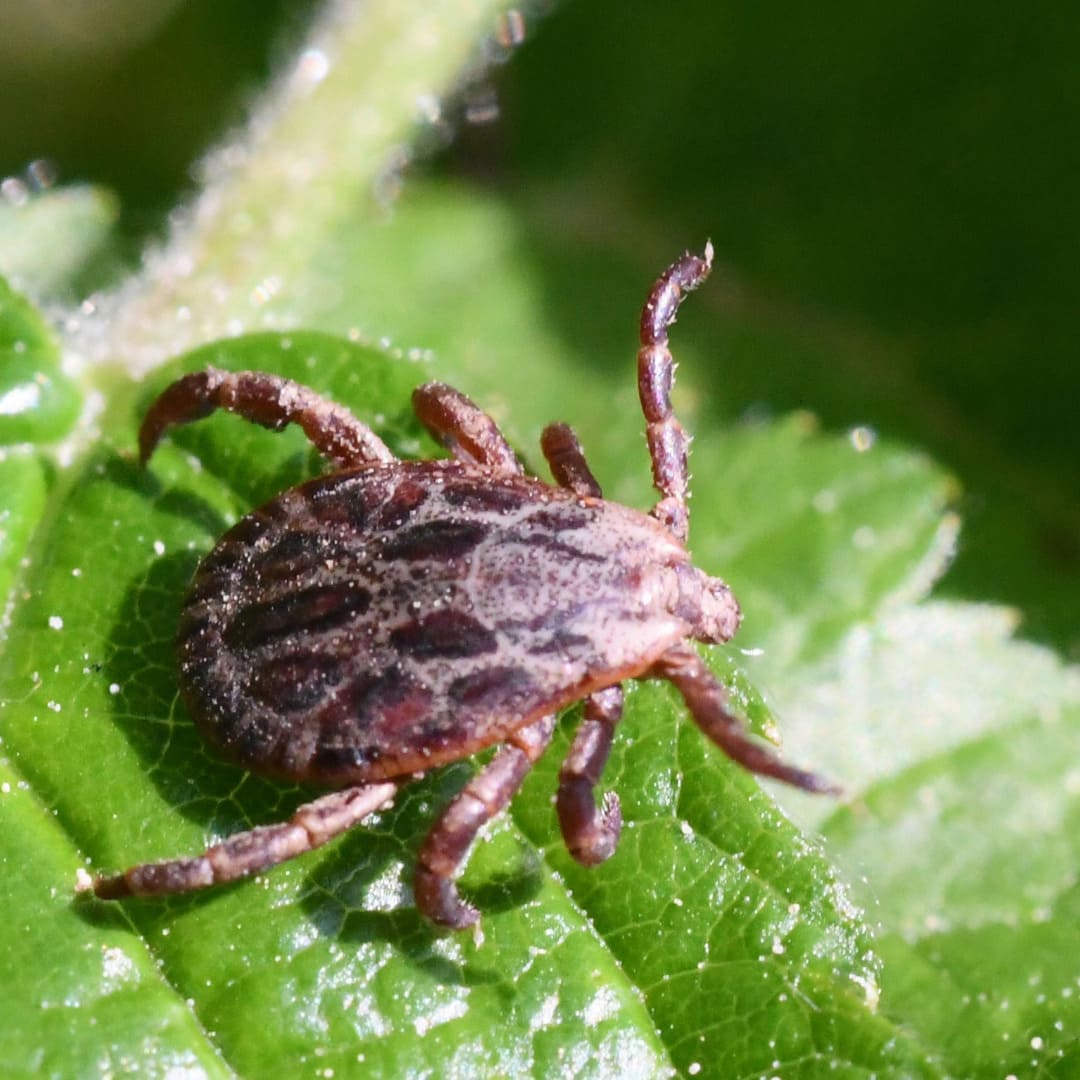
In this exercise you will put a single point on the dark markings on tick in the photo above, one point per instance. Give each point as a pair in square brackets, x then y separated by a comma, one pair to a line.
[500, 686]
[439, 539]
[296, 682]
[447, 633]
[393, 616]
[561, 642]
[316, 610]
[554, 546]
[475, 495]
[559, 519]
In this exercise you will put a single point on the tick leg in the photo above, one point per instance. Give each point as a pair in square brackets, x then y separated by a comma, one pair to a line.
[707, 701]
[464, 429]
[567, 461]
[668, 442]
[246, 853]
[443, 853]
[591, 834]
[268, 400]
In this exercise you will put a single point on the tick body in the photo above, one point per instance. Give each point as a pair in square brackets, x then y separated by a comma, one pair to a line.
[393, 616]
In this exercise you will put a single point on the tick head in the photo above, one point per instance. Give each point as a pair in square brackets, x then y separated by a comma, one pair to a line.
[708, 605]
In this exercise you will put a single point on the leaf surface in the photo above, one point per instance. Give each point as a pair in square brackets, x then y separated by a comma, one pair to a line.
[928, 930]
[713, 895]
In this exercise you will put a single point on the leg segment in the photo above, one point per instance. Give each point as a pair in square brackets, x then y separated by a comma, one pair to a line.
[567, 461]
[249, 852]
[465, 430]
[443, 853]
[707, 701]
[668, 442]
[591, 834]
[270, 401]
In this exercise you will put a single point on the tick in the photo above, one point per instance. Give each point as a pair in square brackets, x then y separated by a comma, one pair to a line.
[393, 616]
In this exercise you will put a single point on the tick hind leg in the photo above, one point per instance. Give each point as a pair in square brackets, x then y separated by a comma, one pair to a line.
[246, 853]
[668, 442]
[443, 853]
[463, 428]
[268, 400]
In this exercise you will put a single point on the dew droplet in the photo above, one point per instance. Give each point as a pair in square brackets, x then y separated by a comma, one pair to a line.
[312, 67]
[14, 191]
[862, 438]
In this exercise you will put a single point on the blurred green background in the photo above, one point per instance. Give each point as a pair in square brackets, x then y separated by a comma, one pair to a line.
[891, 189]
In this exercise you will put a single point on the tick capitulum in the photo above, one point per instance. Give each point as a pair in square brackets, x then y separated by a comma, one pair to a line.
[393, 616]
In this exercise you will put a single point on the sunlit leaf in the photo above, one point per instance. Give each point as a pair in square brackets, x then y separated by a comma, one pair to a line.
[47, 239]
[927, 931]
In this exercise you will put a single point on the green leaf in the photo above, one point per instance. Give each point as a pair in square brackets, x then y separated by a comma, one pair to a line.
[711, 888]
[37, 402]
[83, 993]
[329, 948]
[917, 683]
[23, 482]
[723, 938]
[967, 860]
[47, 240]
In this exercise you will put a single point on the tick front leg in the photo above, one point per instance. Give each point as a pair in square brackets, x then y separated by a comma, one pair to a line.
[591, 834]
[246, 853]
[464, 429]
[668, 442]
[443, 853]
[268, 400]
[706, 699]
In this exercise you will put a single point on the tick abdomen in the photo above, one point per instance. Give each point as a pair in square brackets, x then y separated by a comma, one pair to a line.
[379, 622]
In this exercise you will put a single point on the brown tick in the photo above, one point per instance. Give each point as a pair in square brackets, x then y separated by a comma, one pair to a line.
[393, 616]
